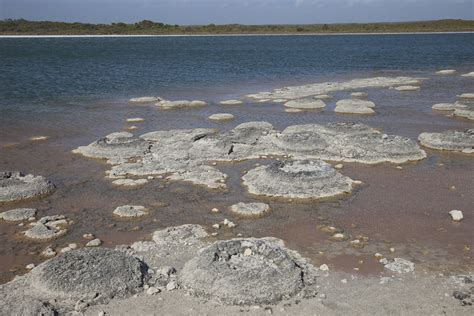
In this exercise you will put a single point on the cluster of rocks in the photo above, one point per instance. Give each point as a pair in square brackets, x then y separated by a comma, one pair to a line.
[299, 92]
[237, 272]
[186, 154]
[463, 107]
[449, 140]
[48, 227]
[16, 186]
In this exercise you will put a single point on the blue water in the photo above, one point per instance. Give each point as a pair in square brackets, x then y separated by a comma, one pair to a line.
[41, 75]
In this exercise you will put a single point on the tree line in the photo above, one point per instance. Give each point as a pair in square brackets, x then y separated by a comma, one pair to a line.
[25, 27]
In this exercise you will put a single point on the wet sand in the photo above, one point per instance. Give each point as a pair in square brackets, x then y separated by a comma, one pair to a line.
[402, 209]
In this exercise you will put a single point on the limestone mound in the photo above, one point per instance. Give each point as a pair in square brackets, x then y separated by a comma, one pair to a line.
[166, 104]
[48, 227]
[449, 140]
[446, 72]
[250, 209]
[15, 186]
[354, 106]
[18, 214]
[78, 273]
[145, 100]
[304, 179]
[345, 141]
[221, 117]
[306, 103]
[120, 145]
[359, 95]
[444, 107]
[245, 272]
[189, 234]
[407, 88]
[231, 102]
[130, 211]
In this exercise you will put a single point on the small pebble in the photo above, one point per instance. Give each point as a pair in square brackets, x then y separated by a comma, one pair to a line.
[216, 226]
[456, 215]
[31, 266]
[153, 290]
[324, 267]
[215, 210]
[339, 166]
[171, 286]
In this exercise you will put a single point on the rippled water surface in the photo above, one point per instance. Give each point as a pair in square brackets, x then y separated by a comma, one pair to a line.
[75, 90]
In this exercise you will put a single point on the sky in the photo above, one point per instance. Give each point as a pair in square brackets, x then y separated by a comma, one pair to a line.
[237, 11]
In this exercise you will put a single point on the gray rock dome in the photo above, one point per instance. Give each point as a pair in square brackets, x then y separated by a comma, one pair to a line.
[244, 272]
[15, 186]
[90, 270]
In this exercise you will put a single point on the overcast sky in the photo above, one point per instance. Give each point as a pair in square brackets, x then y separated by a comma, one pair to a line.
[237, 11]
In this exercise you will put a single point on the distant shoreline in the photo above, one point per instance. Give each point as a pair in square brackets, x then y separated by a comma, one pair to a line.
[229, 35]
[21, 27]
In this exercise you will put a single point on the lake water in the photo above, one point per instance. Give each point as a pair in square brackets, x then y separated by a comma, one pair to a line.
[75, 90]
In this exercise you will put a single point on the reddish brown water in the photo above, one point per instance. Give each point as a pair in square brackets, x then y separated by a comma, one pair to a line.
[402, 209]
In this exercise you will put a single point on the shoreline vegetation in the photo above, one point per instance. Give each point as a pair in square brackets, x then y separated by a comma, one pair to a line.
[147, 27]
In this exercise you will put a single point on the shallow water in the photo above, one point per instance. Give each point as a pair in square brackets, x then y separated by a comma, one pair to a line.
[75, 90]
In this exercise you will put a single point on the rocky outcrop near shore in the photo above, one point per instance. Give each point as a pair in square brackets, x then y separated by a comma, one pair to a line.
[16, 186]
[185, 154]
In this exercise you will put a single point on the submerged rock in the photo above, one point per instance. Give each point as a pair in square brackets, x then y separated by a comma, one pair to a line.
[18, 214]
[444, 106]
[304, 179]
[470, 74]
[165, 104]
[446, 72]
[231, 102]
[359, 95]
[246, 271]
[400, 265]
[15, 186]
[298, 92]
[449, 140]
[354, 106]
[306, 103]
[130, 211]
[100, 271]
[145, 100]
[221, 117]
[48, 227]
[407, 88]
[120, 145]
[250, 209]
[466, 113]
